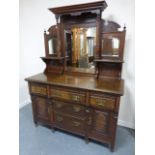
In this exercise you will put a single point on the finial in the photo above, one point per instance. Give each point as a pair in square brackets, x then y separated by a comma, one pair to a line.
[44, 30]
[124, 28]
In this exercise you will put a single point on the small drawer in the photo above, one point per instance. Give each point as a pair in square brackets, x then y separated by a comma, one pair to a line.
[68, 95]
[69, 123]
[38, 89]
[73, 109]
[103, 102]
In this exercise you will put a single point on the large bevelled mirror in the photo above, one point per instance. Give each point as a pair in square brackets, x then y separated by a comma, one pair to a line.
[80, 46]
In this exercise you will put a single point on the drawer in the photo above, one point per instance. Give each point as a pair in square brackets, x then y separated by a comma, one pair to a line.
[69, 108]
[102, 102]
[69, 123]
[69, 95]
[39, 89]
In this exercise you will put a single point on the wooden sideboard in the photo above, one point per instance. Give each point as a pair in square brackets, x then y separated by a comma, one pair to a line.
[80, 88]
[81, 105]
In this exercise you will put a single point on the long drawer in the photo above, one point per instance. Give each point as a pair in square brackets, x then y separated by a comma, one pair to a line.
[73, 109]
[69, 95]
[70, 123]
[102, 101]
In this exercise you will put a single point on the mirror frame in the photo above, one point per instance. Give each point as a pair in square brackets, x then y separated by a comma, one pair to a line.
[121, 36]
[83, 22]
[69, 27]
[51, 33]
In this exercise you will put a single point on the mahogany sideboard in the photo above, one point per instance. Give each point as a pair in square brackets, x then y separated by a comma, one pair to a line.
[80, 89]
[81, 105]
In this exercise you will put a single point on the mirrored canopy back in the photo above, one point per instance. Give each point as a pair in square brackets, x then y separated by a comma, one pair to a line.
[80, 46]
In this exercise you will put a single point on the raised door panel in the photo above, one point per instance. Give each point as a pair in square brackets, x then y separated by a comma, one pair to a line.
[101, 121]
[41, 108]
[100, 126]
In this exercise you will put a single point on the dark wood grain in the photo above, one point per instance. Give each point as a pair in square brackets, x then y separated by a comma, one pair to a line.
[106, 85]
[79, 100]
[101, 5]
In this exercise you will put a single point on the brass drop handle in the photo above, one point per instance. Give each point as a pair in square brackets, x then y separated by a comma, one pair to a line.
[58, 105]
[87, 111]
[76, 108]
[56, 93]
[89, 121]
[101, 102]
[75, 97]
[59, 119]
[49, 111]
[76, 124]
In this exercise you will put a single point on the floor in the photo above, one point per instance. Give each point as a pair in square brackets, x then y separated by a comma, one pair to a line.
[41, 141]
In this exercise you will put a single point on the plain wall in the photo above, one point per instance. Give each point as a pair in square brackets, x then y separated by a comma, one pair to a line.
[35, 17]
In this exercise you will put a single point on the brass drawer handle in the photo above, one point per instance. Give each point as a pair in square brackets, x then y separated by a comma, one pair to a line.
[59, 118]
[57, 94]
[75, 97]
[38, 89]
[76, 124]
[59, 105]
[76, 108]
[49, 111]
[89, 120]
[87, 111]
[101, 102]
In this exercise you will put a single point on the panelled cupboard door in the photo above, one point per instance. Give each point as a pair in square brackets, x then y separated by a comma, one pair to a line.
[40, 109]
[101, 122]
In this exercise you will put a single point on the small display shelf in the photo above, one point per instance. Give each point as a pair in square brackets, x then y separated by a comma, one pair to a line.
[109, 60]
[54, 64]
[53, 58]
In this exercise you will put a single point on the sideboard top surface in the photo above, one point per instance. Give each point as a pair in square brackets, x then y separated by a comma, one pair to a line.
[105, 85]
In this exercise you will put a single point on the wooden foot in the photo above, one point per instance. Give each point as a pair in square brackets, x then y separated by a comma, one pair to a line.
[35, 123]
[53, 129]
[111, 147]
[86, 140]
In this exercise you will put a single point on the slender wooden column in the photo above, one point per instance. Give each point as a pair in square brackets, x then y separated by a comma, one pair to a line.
[78, 47]
[98, 36]
[58, 37]
[84, 42]
[74, 47]
[46, 44]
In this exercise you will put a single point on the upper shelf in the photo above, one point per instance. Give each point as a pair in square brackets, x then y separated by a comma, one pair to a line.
[99, 5]
[53, 58]
[109, 60]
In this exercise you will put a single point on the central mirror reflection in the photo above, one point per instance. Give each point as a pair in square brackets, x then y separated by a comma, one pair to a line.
[80, 47]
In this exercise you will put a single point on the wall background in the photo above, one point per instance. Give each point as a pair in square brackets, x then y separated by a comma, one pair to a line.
[35, 17]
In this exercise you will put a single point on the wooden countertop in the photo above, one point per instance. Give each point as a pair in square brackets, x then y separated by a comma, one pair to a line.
[106, 85]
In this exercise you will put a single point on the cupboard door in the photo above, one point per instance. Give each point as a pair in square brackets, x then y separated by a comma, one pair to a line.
[101, 122]
[40, 109]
